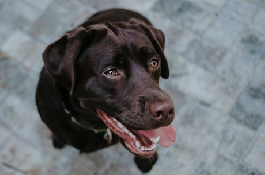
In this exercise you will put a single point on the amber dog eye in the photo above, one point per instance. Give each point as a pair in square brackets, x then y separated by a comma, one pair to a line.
[154, 63]
[112, 73]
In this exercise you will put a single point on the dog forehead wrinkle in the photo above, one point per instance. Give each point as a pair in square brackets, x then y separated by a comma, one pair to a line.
[134, 39]
[99, 53]
[113, 28]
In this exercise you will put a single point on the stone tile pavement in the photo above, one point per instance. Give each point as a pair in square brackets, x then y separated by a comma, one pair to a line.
[216, 53]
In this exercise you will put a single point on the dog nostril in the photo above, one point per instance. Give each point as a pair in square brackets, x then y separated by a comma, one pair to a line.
[161, 110]
[171, 111]
[160, 116]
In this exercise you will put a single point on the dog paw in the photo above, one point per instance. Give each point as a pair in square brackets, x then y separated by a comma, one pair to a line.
[57, 142]
[145, 164]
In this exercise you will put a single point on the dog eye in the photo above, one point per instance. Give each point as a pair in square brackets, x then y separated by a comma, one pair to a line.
[154, 63]
[112, 73]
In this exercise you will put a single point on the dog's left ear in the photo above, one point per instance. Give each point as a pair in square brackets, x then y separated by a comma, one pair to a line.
[60, 57]
[157, 38]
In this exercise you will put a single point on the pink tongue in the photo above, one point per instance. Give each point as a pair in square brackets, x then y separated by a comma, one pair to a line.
[167, 135]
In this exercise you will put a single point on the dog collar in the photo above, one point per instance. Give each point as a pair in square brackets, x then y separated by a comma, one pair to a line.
[93, 129]
[107, 136]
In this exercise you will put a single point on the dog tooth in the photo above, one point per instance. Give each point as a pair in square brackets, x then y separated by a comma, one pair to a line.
[114, 119]
[131, 135]
[126, 130]
[150, 148]
[142, 148]
[119, 124]
[155, 140]
[137, 144]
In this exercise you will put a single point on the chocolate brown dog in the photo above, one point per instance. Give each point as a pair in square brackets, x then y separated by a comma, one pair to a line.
[99, 86]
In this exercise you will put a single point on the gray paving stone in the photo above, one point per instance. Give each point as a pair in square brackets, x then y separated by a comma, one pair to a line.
[185, 76]
[223, 157]
[230, 22]
[237, 67]
[92, 162]
[99, 4]
[246, 170]
[14, 112]
[18, 14]
[183, 154]
[5, 134]
[24, 81]
[235, 140]
[116, 169]
[250, 119]
[182, 38]
[61, 16]
[28, 159]
[98, 162]
[253, 157]
[249, 108]
[213, 163]
[261, 3]
[120, 157]
[222, 146]
[7, 170]
[245, 10]
[18, 104]
[40, 5]
[5, 31]
[215, 3]
[198, 119]
[258, 22]
[193, 47]
[12, 70]
[204, 53]
[37, 133]
[141, 6]
[195, 16]
[24, 49]
[2, 2]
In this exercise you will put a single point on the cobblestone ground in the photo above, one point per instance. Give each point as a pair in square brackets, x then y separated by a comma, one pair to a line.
[216, 53]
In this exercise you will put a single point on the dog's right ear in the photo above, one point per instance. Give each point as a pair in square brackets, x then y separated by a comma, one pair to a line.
[60, 57]
[157, 38]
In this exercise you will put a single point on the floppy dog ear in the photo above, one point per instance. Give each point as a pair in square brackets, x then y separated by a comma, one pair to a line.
[59, 57]
[157, 38]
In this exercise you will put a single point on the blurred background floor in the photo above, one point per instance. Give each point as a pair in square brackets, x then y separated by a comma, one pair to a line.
[216, 54]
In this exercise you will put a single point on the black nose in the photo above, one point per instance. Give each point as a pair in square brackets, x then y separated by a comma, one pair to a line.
[162, 110]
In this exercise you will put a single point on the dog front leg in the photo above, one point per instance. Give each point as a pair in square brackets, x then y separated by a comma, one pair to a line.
[57, 142]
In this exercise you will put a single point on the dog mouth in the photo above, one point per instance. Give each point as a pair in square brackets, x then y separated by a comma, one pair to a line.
[140, 142]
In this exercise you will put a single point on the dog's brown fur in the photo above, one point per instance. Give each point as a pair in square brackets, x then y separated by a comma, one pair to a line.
[74, 83]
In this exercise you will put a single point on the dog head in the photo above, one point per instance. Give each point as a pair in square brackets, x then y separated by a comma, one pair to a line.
[113, 70]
